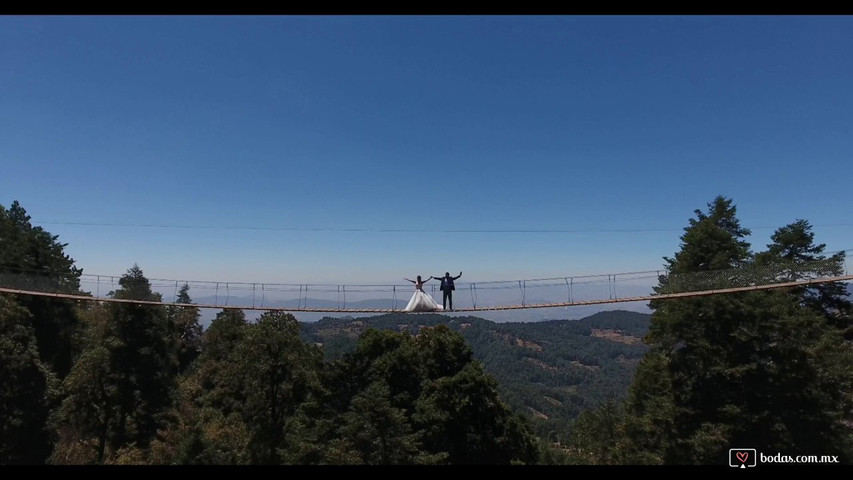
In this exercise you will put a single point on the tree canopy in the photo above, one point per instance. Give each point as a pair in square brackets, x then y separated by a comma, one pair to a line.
[33, 259]
[764, 369]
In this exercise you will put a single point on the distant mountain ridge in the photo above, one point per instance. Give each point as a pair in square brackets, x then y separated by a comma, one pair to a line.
[500, 316]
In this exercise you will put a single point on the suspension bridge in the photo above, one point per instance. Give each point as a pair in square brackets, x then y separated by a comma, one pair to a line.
[555, 292]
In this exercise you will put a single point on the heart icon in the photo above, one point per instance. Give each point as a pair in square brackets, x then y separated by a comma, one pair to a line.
[742, 456]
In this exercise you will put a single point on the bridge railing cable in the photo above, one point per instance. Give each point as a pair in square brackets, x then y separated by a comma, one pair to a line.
[492, 294]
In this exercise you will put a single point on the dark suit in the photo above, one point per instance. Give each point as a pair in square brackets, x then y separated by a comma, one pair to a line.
[447, 287]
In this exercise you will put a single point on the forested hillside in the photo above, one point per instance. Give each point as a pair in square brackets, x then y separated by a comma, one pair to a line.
[88, 382]
[550, 371]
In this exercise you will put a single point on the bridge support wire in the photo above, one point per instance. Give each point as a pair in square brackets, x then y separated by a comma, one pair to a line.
[569, 288]
[666, 296]
[669, 285]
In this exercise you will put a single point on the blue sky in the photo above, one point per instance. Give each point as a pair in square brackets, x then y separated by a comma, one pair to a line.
[300, 129]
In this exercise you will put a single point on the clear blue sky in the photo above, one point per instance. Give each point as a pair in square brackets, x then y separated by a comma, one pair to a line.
[300, 128]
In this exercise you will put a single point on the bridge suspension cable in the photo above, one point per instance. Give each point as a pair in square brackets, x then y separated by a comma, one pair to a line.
[555, 292]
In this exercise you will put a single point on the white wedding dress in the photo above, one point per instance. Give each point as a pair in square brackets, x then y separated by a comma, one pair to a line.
[422, 302]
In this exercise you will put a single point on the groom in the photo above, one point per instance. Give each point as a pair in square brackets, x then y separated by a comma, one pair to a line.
[447, 287]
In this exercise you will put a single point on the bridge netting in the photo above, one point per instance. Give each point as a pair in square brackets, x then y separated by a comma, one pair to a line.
[468, 296]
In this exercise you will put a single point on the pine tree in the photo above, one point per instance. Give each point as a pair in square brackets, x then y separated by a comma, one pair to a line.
[712, 241]
[380, 432]
[187, 328]
[597, 434]
[751, 368]
[462, 416]
[277, 370]
[208, 426]
[793, 245]
[33, 259]
[216, 372]
[120, 389]
[145, 359]
[27, 390]
[420, 399]
[89, 413]
[250, 379]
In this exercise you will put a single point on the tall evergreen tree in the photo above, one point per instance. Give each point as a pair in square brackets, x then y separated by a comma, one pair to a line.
[597, 436]
[238, 402]
[712, 241]
[120, 389]
[380, 432]
[87, 419]
[27, 390]
[459, 410]
[278, 371]
[752, 368]
[794, 246]
[216, 371]
[187, 328]
[208, 426]
[33, 259]
[223, 335]
[145, 359]
[420, 399]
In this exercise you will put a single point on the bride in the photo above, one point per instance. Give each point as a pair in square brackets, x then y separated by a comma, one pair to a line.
[421, 301]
